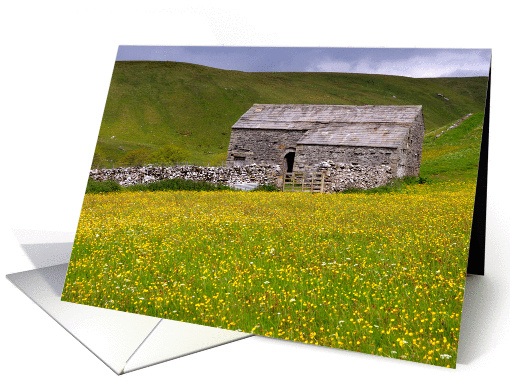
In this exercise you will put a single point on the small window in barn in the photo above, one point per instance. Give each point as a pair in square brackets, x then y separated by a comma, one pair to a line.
[239, 160]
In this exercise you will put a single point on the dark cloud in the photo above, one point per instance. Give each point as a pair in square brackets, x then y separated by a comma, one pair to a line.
[402, 62]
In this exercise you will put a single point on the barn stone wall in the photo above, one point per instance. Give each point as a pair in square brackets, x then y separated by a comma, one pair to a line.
[410, 150]
[309, 157]
[341, 176]
[416, 135]
[261, 146]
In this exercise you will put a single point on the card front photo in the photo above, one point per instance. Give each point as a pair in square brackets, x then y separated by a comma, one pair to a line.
[318, 195]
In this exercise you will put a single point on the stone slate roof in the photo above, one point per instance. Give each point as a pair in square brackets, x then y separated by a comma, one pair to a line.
[342, 125]
[357, 134]
[269, 116]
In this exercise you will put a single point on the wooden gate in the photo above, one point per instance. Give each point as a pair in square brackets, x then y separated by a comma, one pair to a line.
[303, 182]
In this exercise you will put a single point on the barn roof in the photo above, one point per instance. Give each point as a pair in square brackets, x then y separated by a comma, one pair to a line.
[269, 116]
[367, 125]
[357, 134]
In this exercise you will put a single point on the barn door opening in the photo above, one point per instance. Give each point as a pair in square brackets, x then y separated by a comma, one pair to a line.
[289, 161]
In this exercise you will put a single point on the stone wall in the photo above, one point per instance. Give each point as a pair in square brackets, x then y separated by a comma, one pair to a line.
[308, 157]
[338, 176]
[416, 134]
[228, 176]
[261, 146]
[342, 176]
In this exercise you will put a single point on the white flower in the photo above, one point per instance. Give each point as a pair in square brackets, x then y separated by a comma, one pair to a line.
[443, 356]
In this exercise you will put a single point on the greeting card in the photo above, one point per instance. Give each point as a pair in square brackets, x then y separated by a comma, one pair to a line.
[324, 196]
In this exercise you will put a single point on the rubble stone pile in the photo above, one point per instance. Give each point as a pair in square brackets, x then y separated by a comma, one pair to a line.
[341, 176]
[228, 176]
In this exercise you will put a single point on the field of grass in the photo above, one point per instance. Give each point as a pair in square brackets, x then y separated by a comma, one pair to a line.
[193, 107]
[382, 273]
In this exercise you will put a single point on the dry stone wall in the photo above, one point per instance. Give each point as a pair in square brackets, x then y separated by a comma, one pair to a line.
[342, 176]
[338, 176]
[127, 176]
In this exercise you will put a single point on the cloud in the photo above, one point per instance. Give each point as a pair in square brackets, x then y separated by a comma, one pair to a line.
[425, 64]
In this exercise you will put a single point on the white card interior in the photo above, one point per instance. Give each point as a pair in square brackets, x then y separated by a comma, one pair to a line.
[123, 341]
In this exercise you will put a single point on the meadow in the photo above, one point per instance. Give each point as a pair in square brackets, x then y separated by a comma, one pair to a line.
[381, 274]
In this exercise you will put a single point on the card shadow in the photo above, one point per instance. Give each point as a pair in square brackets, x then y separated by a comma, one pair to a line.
[479, 313]
[49, 254]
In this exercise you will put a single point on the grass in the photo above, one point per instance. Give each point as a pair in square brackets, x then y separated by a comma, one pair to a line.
[95, 187]
[395, 185]
[377, 273]
[192, 107]
[266, 188]
[178, 185]
[455, 154]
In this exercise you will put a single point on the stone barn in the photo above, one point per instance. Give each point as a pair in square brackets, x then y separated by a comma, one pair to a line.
[300, 137]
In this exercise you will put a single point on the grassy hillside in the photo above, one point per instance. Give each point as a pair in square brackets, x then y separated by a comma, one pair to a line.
[455, 153]
[185, 111]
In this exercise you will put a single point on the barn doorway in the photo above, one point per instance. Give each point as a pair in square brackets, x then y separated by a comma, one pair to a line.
[289, 161]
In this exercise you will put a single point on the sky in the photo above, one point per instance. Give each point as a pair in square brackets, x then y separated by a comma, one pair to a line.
[418, 63]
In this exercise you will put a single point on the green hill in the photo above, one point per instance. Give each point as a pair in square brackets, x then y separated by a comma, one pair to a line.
[183, 112]
[453, 154]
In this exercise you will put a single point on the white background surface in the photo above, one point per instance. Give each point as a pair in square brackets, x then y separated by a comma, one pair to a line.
[56, 62]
